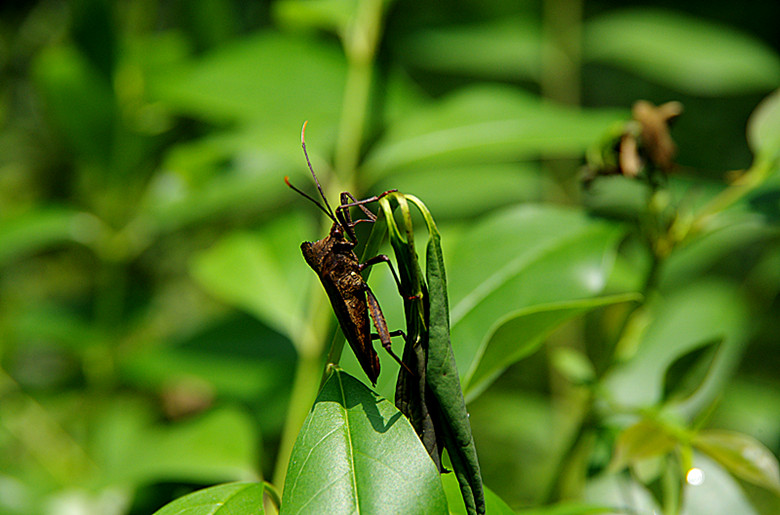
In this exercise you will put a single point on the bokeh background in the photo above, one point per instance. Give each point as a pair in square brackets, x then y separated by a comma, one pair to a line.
[159, 330]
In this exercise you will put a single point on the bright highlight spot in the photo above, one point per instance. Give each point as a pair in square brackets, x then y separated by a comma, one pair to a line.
[695, 476]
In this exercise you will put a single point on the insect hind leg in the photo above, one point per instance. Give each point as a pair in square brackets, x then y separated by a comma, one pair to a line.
[383, 334]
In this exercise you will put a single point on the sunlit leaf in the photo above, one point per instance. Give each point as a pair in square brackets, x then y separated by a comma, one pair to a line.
[682, 52]
[546, 255]
[741, 455]
[227, 499]
[685, 320]
[763, 130]
[522, 333]
[357, 453]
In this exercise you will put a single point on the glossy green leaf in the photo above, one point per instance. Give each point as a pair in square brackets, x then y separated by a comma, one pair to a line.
[546, 255]
[493, 503]
[262, 272]
[504, 48]
[523, 332]
[41, 229]
[486, 124]
[682, 52]
[742, 455]
[227, 499]
[683, 320]
[763, 131]
[357, 453]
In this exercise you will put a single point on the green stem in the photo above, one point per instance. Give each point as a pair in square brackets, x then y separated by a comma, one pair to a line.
[360, 42]
[309, 344]
[562, 50]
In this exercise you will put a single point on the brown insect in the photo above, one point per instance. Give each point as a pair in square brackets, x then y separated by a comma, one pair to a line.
[334, 260]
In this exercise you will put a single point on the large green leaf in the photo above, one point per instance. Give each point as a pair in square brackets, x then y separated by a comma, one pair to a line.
[523, 332]
[356, 453]
[682, 52]
[227, 499]
[262, 272]
[524, 256]
[40, 229]
[268, 78]
[499, 49]
[682, 321]
[219, 445]
[482, 124]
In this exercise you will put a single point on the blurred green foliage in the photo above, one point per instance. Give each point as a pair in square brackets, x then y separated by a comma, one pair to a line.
[159, 330]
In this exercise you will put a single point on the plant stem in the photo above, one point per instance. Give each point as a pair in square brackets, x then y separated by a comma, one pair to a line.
[309, 344]
[561, 50]
[360, 42]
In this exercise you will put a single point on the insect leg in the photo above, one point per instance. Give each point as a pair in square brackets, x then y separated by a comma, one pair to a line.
[384, 259]
[380, 323]
[342, 211]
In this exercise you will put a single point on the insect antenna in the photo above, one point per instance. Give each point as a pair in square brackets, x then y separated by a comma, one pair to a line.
[315, 201]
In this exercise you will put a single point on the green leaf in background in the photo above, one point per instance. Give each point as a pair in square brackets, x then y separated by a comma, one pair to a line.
[331, 15]
[482, 124]
[718, 494]
[219, 445]
[493, 503]
[763, 131]
[81, 102]
[228, 499]
[682, 52]
[547, 255]
[731, 233]
[357, 453]
[682, 321]
[523, 332]
[267, 78]
[742, 455]
[645, 439]
[505, 48]
[41, 229]
[570, 508]
[481, 187]
[261, 272]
